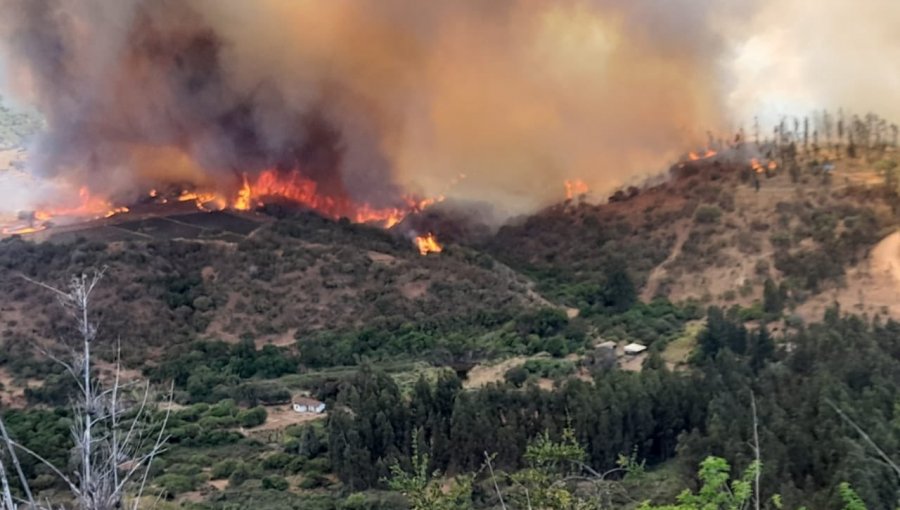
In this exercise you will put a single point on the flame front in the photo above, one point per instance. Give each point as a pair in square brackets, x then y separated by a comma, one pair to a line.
[428, 244]
[91, 206]
[574, 188]
[693, 156]
[252, 192]
[298, 188]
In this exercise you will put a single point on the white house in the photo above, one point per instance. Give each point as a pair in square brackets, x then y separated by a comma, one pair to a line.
[634, 348]
[308, 405]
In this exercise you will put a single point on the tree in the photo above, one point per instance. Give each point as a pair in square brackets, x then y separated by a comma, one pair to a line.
[116, 438]
[424, 491]
[620, 292]
[718, 491]
[310, 446]
[773, 299]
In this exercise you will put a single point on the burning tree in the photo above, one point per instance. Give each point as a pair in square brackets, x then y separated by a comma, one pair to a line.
[116, 436]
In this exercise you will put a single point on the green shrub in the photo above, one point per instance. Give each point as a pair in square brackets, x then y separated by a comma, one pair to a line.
[516, 376]
[239, 475]
[174, 484]
[312, 481]
[549, 368]
[223, 469]
[278, 461]
[276, 483]
[253, 417]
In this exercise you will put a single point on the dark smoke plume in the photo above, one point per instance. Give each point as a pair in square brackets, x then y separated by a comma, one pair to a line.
[371, 99]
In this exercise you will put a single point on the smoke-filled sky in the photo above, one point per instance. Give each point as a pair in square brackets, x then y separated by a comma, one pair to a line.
[376, 98]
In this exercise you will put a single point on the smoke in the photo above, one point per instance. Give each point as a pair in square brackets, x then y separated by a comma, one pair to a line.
[800, 55]
[376, 98]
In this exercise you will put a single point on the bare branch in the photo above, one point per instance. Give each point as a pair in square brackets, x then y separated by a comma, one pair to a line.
[865, 437]
[8, 503]
[15, 461]
[72, 487]
[108, 446]
[487, 461]
[160, 441]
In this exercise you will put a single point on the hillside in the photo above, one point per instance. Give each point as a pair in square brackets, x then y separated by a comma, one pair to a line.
[708, 236]
[221, 276]
[497, 339]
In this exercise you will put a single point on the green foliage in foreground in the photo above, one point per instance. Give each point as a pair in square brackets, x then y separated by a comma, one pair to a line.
[547, 483]
[423, 489]
[718, 490]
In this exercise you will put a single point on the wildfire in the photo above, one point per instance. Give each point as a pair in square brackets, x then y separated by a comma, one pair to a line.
[294, 186]
[760, 168]
[22, 230]
[428, 244]
[253, 192]
[693, 156]
[204, 201]
[90, 206]
[574, 188]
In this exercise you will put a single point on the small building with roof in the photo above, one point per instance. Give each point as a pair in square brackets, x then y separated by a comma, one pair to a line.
[634, 349]
[308, 405]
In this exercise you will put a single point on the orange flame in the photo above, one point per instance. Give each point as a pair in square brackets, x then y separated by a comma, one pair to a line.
[294, 186]
[760, 168]
[252, 193]
[754, 163]
[22, 230]
[428, 244]
[91, 207]
[203, 201]
[693, 156]
[574, 188]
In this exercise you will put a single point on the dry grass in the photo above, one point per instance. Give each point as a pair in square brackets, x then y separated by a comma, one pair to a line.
[282, 416]
[484, 374]
[677, 351]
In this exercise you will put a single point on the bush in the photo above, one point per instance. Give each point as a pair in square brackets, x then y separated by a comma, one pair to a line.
[239, 475]
[278, 461]
[707, 214]
[223, 469]
[253, 417]
[549, 368]
[312, 481]
[516, 376]
[174, 485]
[276, 483]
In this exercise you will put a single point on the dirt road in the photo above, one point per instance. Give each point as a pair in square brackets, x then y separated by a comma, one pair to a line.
[886, 258]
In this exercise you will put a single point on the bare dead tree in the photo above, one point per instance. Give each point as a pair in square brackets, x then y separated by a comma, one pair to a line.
[116, 437]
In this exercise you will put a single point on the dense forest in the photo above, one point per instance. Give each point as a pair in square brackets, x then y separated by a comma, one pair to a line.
[844, 363]
[811, 391]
